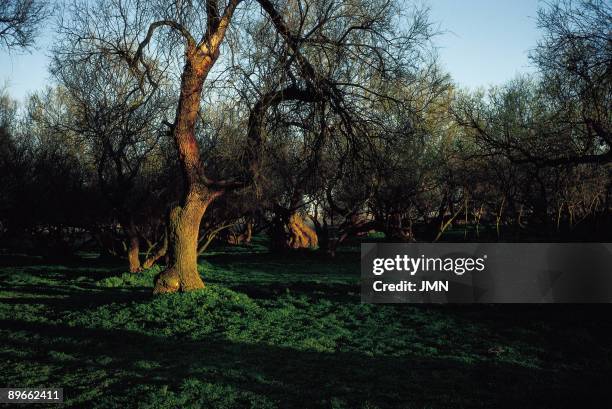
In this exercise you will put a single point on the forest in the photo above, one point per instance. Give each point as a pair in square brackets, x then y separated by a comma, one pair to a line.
[181, 207]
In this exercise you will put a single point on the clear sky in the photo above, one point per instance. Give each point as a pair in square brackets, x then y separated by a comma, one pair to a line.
[24, 72]
[486, 43]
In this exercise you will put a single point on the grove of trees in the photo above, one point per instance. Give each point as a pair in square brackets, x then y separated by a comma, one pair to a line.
[172, 124]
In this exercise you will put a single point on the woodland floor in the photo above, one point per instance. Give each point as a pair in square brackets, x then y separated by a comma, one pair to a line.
[286, 332]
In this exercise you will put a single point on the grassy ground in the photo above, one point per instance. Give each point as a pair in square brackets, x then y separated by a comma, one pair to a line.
[272, 331]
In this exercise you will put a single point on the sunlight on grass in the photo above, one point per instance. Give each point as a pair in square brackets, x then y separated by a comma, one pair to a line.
[262, 332]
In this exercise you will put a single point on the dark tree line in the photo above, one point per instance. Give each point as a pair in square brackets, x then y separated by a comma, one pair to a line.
[174, 124]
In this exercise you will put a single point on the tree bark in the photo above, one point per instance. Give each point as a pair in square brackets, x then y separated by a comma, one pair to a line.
[181, 273]
[300, 235]
[133, 253]
[290, 232]
[132, 249]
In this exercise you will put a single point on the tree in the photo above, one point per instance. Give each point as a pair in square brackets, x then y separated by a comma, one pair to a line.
[120, 124]
[19, 22]
[11, 162]
[530, 158]
[316, 36]
[575, 60]
[139, 22]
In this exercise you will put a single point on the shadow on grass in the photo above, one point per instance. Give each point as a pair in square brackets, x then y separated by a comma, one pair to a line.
[100, 366]
[64, 288]
[131, 361]
[314, 291]
[301, 258]
[76, 262]
[266, 275]
[65, 301]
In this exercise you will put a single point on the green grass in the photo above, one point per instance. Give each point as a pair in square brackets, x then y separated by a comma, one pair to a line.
[286, 332]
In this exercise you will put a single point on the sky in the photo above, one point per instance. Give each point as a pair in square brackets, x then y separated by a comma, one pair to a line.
[486, 42]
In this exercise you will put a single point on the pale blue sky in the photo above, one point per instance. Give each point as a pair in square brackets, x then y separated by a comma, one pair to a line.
[486, 43]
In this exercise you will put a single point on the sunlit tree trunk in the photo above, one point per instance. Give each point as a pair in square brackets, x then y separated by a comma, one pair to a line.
[290, 231]
[132, 248]
[181, 273]
[300, 235]
[133, 253]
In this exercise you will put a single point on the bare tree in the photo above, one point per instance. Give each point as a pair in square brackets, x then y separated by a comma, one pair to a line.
[360, 40]
[20, 21]
[575, 60]
[120, 126]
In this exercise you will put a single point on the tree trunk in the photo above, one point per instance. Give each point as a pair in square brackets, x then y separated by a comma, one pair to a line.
[132, 247]
[248, 232]
[106, 243]
[181, 272]
[244, 237]
[300, 235]
[323, 233]
[133, 253]
[397, 231]
[161, 251]
[289, 231]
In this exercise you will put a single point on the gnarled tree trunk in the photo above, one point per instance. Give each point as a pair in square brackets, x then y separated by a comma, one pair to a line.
[300, 235]
[181, 273]
[289, 231]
